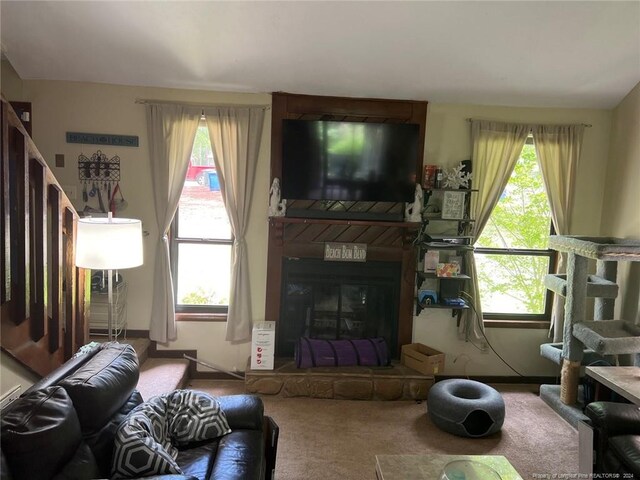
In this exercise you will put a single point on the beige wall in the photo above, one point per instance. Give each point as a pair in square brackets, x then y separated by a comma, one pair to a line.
[10, 82]
[621, 206]
[66, 106]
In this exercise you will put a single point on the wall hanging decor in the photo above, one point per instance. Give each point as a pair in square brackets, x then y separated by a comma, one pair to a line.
[100, 177]
[103, 139]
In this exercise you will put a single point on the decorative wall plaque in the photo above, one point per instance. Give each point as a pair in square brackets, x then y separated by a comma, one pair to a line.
[103, 139]
[345, 252]
[453, 205]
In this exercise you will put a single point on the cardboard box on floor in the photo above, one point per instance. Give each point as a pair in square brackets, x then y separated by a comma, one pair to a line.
[424, 359]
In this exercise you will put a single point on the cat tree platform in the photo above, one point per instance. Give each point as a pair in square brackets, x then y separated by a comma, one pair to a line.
[596, 286]
[553, 352]
[589, 339]
[599, 248]
[611, 337]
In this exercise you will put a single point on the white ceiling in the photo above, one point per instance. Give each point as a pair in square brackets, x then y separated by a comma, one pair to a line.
[563, 54]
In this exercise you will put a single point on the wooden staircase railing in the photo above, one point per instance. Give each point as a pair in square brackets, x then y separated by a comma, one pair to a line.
[44, 298]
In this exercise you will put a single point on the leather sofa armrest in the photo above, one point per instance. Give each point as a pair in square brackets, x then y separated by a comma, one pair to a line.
[243, 411]
[614, 418]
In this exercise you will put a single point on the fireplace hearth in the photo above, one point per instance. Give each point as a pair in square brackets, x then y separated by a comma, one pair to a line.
[338, 301]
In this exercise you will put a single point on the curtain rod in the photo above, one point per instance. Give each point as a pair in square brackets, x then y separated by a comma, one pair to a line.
[146, 101]
[585, 125]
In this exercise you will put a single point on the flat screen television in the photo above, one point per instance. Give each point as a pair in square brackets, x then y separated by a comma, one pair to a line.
[349, 161]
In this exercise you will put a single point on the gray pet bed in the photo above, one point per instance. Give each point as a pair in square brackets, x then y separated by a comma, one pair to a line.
[465, 408]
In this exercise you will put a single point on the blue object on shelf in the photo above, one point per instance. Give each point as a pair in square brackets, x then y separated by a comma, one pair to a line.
[427, 297]
[457, 302]
[214, 183]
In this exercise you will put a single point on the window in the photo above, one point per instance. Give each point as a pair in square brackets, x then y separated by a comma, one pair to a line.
[512, 254]
[201, 237]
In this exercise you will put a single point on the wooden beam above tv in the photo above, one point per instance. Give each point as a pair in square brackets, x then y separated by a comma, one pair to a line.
[344, 109]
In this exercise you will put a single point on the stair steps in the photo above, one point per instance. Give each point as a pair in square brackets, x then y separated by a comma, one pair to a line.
[162, 375]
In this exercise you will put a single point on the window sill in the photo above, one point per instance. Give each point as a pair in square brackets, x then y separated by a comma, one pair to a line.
[201, 317]
[533, 324]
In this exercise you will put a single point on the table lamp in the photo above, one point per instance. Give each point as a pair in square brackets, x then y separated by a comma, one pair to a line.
[109, 244]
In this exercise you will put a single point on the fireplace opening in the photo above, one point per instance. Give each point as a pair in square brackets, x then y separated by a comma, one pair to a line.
[338, 301]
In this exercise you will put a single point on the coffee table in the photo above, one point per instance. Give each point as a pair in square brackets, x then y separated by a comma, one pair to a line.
[428, 467]
[624, 381]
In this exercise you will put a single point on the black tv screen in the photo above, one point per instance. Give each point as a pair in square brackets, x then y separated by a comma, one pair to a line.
[350, 161]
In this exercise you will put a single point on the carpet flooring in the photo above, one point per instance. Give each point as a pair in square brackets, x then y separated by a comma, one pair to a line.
[338, 439]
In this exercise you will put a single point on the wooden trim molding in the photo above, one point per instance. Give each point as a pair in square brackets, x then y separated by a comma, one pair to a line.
[531, 324]
[201, 317]
[530, 380]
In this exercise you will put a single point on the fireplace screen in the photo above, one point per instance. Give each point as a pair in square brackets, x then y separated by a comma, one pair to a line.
[338, 301]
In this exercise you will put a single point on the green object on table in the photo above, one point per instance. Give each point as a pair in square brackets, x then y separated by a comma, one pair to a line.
[468, 470]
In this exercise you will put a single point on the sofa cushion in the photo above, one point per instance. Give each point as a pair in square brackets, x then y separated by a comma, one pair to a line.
[81, 466]
[240, 456]
[101, 442]
[101, 386]
[627, 450]
[5, 474]
[66, 369]
[243, 411]
[41, 426]
[145, 442]
[197, 459]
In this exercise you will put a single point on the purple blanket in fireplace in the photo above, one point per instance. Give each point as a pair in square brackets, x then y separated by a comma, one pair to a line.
[313, 352]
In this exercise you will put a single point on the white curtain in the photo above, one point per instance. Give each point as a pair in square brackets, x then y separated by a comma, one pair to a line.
[558, 150]
[496, 149]
[235, 134]
[172, 130]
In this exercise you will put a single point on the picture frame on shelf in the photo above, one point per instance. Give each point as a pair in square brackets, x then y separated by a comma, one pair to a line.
[453, 205]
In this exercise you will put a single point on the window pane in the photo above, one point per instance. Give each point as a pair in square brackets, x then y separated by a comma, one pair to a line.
[201, 210]
[522, 217]
[512, 283]
[201, 213]
[203, 274]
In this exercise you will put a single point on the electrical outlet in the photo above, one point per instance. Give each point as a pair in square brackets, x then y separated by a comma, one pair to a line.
[10, 397]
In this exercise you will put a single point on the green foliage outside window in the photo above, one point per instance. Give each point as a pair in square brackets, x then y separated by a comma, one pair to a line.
[202, 297]
[201, 155]
[520, 220]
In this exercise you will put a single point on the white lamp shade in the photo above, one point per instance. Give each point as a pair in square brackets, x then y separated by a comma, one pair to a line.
[109, 243]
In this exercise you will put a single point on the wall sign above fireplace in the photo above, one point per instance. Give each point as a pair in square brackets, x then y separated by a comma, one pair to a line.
[345, 252]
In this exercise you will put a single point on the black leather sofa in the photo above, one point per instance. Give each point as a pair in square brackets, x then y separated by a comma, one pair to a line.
[63, 427]
[617, 438]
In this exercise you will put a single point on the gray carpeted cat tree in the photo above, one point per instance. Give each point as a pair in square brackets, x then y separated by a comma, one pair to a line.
[584, 341]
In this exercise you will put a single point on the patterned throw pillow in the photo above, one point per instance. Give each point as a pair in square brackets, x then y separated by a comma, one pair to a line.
[194, 416]
[145, 441]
